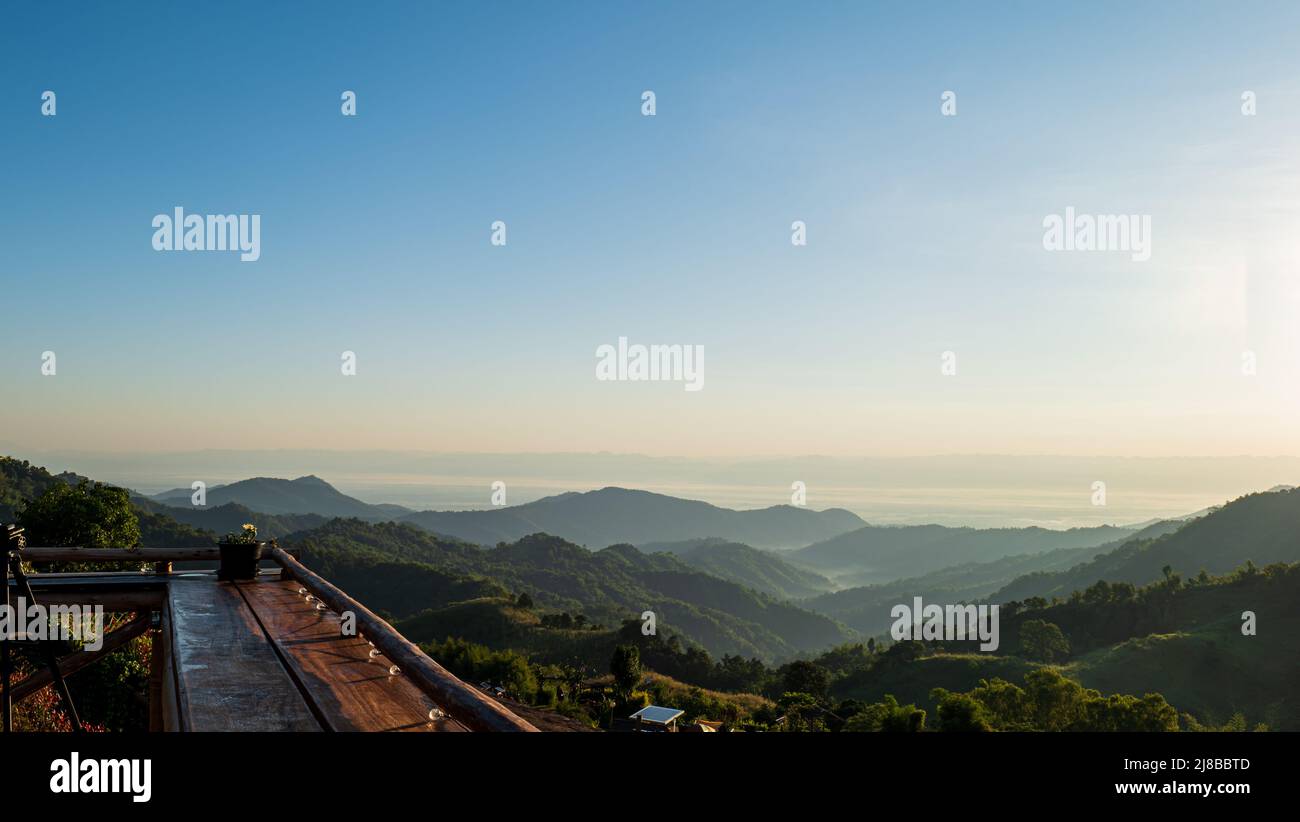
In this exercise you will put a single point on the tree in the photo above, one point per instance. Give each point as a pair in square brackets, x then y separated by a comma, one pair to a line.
[626, 668]
[801, 712]
[524, 601]
[888, 716]
[960, 712]
[85, 515]
[1042, 641]
[94, 515]
[804, 677]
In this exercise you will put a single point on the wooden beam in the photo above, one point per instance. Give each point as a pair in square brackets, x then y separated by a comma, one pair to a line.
[110, 600]
[463, 702]
[205, 553]
[72, 663]
[157, 665]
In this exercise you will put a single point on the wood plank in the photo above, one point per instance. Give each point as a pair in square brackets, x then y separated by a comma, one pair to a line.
[142, 555]
[351, 691]
[465, 703]
[228, 676]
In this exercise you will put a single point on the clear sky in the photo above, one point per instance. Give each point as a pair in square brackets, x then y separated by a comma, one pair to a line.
[924, 231]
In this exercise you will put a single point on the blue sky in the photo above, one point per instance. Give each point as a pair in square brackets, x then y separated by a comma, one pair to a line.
[924, 231]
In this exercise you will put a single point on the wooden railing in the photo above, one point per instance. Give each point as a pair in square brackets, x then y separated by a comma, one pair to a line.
[463, 702]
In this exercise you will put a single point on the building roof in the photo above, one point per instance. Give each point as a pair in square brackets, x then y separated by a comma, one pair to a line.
[657, 715]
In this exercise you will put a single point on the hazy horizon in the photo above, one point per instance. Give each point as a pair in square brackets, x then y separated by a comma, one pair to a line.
[1052, 491]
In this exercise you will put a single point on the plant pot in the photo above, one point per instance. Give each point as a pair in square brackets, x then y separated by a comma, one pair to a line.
[239, 561]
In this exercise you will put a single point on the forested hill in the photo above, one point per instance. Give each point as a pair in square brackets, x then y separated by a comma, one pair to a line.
[20, 482]
[269, 495]
[607, 586]
[878, 553]
[867, 608]
[1263, 528]
[764, 571]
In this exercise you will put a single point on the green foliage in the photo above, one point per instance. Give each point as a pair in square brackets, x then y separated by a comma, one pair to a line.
[476, 663]
[220, 519]
[801, 712]
[161, 531]
[1050, 702]
[21, 482]
[88, 515]
[887, 715]
[1042, 641]
[605, 586]
[246, 535]
[625, 665]
[802, 676]
[1260, 527]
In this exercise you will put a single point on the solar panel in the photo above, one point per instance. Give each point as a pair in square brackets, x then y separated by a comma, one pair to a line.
[656, 714]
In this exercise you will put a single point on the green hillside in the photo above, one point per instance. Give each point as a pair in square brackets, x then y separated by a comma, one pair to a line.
[607, 586]
[876, 553]
[1263, 528]
[20, 481]
[228, 517]
[866, 609]
[763, 571]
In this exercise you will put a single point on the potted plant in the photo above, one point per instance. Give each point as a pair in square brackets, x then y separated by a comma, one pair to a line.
[240, 553]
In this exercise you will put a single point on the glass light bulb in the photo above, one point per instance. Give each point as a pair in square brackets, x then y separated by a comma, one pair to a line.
[394, 671]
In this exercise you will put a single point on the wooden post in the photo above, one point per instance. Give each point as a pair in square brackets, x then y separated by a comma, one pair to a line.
[157, 663]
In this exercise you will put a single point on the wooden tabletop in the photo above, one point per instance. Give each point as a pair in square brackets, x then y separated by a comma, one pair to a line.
[256, 656]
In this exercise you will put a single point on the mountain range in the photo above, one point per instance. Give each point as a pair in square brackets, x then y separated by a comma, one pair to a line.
[268, 495]
[867, 608]
[1263, 528]
[611, 516]
[404, 571]
[879, 553]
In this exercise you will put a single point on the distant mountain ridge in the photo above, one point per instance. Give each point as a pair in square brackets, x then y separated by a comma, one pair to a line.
[877, 554]
[612, 516]
[268, 495]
